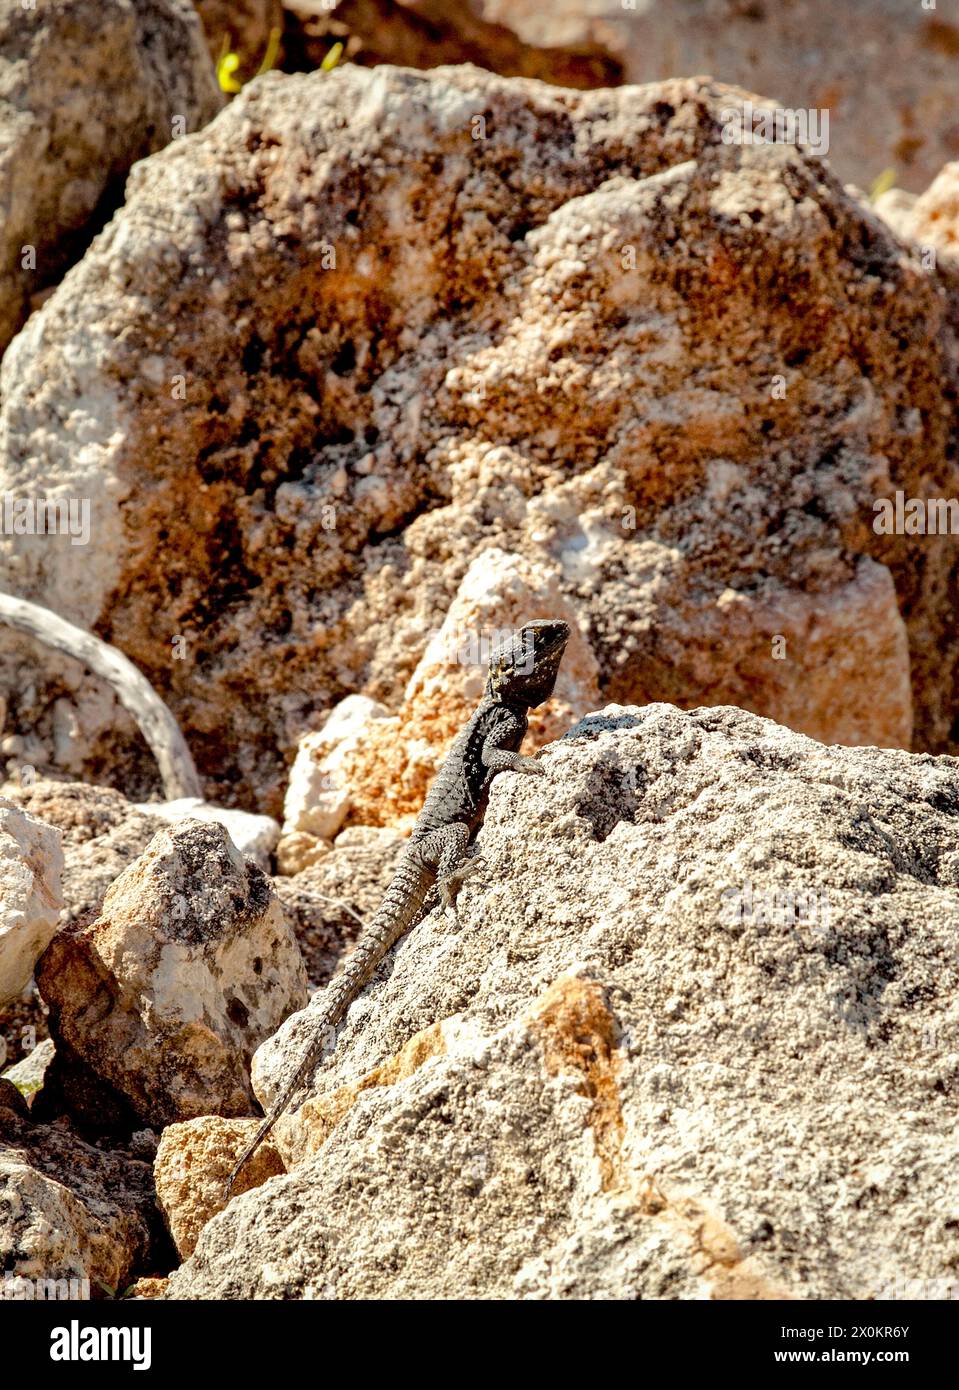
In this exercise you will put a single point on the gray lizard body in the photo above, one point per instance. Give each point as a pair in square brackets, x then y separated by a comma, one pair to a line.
[522, 674]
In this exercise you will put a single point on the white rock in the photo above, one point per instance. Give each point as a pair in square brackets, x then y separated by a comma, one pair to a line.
[254, 836]
[31, 862]
[318, 795]
[190, 965]
[27, 1074]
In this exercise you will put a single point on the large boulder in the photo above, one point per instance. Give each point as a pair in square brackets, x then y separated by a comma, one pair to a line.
[71, 1212]
[157, 1005]
[86, 88]
[31, 864]
[884, 72]
[485, 314]
[693, 1036]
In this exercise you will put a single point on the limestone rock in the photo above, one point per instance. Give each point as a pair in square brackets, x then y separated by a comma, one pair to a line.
[156, 1006]
[86, 88]
[193, 1162]
[71, 1211]
[31, 864]
[254, 836]
[300, 850]
[885, 73]
[27, 1074]
[896, 208]
[484, 313]
[935, 215]
[693, 1036]
[318, 797]
[102, 833]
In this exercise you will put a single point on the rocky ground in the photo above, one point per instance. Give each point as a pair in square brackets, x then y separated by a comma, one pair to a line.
[360, 345]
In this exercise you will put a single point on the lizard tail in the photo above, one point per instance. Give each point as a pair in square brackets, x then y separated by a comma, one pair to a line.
[286, 1095]
[402, 905]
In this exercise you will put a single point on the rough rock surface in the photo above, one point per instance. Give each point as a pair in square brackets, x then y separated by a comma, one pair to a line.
[31, 865]
[575, 326]
[156, 1006]
[885, 71]
[27, 1074]
[693, 1036]
[192, 1165]
[71, 1211]
[318, 794]
[254, 836]
[147, 1288]
[86, 88]
[102, 833]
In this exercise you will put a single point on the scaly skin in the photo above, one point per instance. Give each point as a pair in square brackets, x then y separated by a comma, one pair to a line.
[522, 674]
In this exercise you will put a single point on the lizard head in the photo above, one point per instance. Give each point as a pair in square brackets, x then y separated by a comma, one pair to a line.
[523, 670]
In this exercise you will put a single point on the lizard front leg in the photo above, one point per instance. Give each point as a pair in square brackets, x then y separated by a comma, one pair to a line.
[499, 759]
[442, 851]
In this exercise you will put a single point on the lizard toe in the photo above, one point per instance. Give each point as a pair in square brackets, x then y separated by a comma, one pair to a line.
[531, 765]
[450, 886]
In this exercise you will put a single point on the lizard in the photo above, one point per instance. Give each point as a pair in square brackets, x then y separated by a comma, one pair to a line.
[522, 673]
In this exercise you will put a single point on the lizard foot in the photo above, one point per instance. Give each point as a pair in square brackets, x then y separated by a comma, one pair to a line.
[450, 885]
